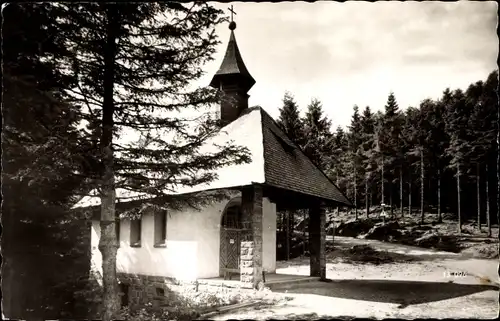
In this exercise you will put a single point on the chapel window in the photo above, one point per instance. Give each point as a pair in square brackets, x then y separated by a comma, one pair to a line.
[135, 232]
[160, 232]
[232, 217]
[117, 229]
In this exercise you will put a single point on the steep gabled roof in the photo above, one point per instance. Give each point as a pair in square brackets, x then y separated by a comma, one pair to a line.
[276, 161]
[286, 166]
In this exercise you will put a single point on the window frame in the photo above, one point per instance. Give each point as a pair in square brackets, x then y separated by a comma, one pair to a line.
[160, 228]
[118, 230]
[138, 242]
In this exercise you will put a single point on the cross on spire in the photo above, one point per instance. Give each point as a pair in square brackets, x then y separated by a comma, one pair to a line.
[232, 12]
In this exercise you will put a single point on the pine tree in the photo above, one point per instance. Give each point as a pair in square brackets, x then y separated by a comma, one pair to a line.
[489, 103]
[410, 135]
[355, 153]
[437, 141]
[419, 151]
[456, 123]
[391, 132]
[379, 154]
[133, 64]
[477, 133]
[44, 167]
[367, 136]
[289, 120]
[336, 169]
[317, 134]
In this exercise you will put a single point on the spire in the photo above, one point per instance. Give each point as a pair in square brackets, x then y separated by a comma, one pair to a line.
[233, 80]
[233, 68]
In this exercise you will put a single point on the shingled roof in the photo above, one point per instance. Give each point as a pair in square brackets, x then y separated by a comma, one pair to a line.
[275, 161]
[286, 166]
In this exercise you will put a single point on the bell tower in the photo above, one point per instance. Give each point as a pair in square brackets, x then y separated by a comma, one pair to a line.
[233, 80]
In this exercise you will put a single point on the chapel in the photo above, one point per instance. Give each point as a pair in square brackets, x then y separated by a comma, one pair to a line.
[236, 236]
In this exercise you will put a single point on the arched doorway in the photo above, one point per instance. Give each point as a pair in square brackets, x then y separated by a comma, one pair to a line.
[233, 231]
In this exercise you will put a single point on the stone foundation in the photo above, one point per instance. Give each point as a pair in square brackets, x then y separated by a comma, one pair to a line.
[246, 264]
[162, 291]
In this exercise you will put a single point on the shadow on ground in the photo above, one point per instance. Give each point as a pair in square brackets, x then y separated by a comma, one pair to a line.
[388, 291]
[310, 316]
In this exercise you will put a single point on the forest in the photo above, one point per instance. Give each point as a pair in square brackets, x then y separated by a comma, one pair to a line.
[437, 157]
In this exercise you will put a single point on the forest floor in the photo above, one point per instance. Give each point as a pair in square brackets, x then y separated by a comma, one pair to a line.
[451, 275]
[375, 279]
[472, 242]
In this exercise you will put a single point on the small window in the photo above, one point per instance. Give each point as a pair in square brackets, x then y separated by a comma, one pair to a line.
[161, 228]
[160, 292]
[135, 232]
[124, 294]
[117, 228]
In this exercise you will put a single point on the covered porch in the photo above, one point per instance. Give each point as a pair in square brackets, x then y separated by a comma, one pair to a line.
[250, 272]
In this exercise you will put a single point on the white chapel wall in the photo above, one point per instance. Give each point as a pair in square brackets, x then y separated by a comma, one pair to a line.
[192, 248]
[269, 236]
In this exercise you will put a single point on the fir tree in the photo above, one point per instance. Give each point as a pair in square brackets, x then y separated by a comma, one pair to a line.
[477, 132]
[391, 131]
[133, 64]
[44, 166]
[411, 138]
[317, 134]
[367, 137]
[456, 123]
[289, 120]
[355, 153]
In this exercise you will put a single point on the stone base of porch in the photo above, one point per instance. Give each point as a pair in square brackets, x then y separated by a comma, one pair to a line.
[272, 280]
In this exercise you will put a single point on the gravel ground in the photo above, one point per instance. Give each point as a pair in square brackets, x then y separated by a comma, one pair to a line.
[430, 285]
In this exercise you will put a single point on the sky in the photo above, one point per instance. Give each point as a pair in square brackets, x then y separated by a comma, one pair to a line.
[358, 52]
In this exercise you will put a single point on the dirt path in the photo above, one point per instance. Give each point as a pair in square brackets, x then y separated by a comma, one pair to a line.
[430, 284]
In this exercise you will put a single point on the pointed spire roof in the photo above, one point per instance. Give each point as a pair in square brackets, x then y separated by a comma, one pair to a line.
[233, 68]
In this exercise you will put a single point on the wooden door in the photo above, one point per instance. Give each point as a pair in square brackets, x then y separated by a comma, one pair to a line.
[230, 248]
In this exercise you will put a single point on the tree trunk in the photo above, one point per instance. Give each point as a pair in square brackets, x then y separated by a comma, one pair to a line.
[390, 199]
[458, 200]
[478, 190]
[287, 235]
[488, 218]
[409, 194]
[108, 243]
[355, 196]
[371, 200]
[440, 218]
[382, 181]
[422, 186]
[367, 206]
[401, 190]
[304, 234]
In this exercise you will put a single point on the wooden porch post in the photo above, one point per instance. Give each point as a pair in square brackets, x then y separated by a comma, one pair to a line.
[317, 241]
